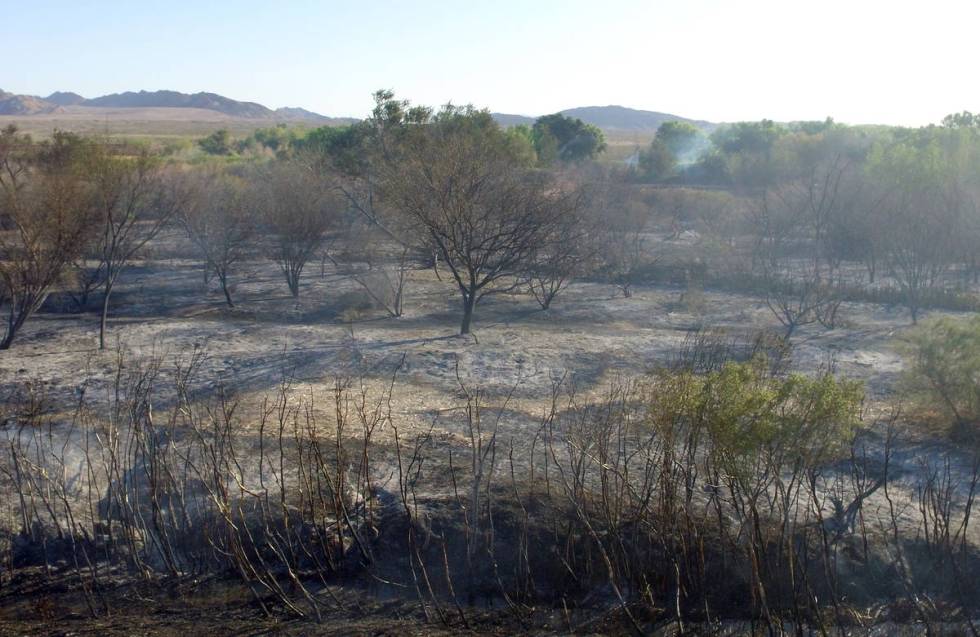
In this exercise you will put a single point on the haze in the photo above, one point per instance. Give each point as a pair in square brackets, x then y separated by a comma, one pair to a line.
[870, 62]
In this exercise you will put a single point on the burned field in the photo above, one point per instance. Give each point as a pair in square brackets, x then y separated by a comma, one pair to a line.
[417, 375]
[312, 462]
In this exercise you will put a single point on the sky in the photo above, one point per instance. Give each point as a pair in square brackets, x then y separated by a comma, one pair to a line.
[859, 61]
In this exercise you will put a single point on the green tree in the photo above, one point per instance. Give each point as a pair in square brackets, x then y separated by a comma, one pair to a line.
[279, 139]
[340, 147]
[657, 162]
[966, 119]
[566, 139]
[751, 137]
[674, 142]
[747, 150]
[751, 415]
[521, 139]
[944, 370]
[217, 143]
[461, 181]
[813, 127]
[678, 137]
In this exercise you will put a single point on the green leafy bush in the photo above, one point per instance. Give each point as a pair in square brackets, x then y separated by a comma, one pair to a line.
[943, 373]
[750, 415]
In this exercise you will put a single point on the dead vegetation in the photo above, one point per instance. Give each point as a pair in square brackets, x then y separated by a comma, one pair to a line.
[715, 491]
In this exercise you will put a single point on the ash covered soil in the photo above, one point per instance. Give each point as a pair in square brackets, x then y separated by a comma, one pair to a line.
[591, 337]
[591, 334]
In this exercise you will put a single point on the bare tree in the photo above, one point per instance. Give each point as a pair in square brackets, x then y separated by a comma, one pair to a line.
[855, 232]
[568, 252]
[219, 221]
[299, 208]
[812, 202]
[794, 218]
[918, 242]
[625, 255]
[919, 233]
[802, 298]
[45, 213]
[135, 198]
[483, 213]
[88, 272]
[386, 243]
[379, 265]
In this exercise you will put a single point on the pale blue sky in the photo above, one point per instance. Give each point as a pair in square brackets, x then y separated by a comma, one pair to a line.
[860, 61]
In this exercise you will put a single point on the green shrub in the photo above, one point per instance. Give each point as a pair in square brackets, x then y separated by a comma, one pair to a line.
[750, 415]
[943, 372]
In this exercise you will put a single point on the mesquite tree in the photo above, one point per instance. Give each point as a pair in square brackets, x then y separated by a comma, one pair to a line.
[625, 254]
[220, 223]
[135, 198]
[386, 241]
[299, 208]
[45, 214]
[568, 252]
[924, 204]
[483, 212]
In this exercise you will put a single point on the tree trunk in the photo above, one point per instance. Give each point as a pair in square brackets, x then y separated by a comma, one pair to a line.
[913, 302]
[292, 280]
[224, 288]
[105, 314]
[14, 323]
[469, 301]
[12, 326]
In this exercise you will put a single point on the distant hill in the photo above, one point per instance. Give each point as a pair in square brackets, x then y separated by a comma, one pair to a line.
[294, 114]
[11, 104]
[614, 118]
[622, 118]
[132, 105]
[505, 119]
[65, 99]
[174, 99]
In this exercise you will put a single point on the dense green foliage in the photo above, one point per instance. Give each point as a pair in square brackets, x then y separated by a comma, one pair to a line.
[944, 370]
[217, 143]
[750, 414]
[675, 142]
[566, 139]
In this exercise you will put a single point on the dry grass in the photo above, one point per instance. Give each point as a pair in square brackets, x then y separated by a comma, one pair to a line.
[135, 122]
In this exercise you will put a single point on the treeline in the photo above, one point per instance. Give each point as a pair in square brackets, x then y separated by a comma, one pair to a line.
[819, 197]
[806, 215]
[408, 188]
[79, 208]
[552, 138]
[900, 203]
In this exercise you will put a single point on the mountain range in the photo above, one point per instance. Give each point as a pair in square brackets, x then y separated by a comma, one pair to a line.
[609, 118]
[61, 102]
[128, 105]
